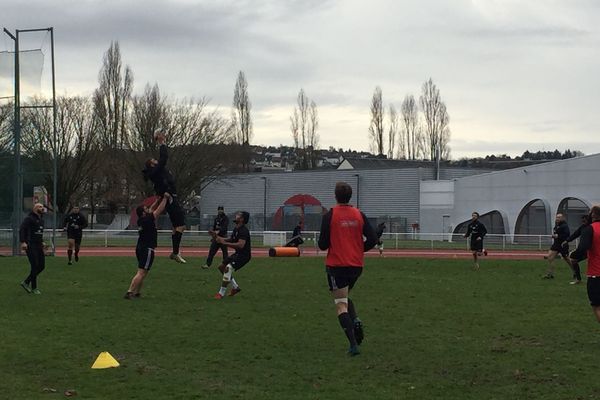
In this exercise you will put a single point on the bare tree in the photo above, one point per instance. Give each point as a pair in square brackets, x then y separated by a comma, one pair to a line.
[393, 133]
[111, 101]
[6, 126]
[304, 124]
[410, 129]
[241, 117]
[74, 146]
[376, 128]
[313, 136]
[112, 97]
[437, 132]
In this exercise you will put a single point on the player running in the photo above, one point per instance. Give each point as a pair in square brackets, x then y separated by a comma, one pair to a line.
[240, 241]
[74, 225]
[146, 244]
[342, 231]
[379, 232]
[585, 221]
[476, 230]
[161, 177]
[560, 233]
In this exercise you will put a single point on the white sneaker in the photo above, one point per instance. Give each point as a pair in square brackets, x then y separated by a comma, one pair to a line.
[177, 258]
[574, 282]
[205, 266]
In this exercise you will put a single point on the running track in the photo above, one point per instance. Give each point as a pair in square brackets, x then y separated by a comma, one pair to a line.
[311, 252]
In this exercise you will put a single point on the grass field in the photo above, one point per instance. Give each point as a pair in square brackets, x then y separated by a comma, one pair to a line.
[435, 329]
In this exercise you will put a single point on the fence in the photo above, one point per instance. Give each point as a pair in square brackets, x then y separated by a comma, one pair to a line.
[194, 238]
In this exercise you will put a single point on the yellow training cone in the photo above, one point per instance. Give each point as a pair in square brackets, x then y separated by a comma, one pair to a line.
[105, 360]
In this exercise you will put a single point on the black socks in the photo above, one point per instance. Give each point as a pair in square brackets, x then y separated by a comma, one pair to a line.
[348, 327]
[70, 254]
[176, 238]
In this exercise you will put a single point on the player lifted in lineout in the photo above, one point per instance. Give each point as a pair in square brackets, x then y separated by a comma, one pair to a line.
[240, 242]
[74, 225]
[156, 171]
[476, 230]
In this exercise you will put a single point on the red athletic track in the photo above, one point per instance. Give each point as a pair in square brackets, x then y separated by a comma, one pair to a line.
[263, 252]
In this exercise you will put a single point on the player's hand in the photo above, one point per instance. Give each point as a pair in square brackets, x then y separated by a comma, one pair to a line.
[23, 246]
[75, 226]
[565, 243]
[478, 239]
[168, 196]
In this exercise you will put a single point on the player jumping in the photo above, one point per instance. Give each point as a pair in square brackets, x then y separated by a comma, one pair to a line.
[161, 177]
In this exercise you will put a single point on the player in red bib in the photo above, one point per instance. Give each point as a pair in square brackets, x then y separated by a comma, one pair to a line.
[342, 232]
[589, 245]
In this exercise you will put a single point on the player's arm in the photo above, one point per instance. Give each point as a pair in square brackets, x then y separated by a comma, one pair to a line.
[24, 230]
[237, 245]
[82, 222]
[585, 243]
[324, 234]
[469, 229]
[161, 206]
[574, 235]
[163, 155]
[369, 233]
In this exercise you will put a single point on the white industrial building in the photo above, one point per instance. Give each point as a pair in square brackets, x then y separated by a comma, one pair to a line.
[515, 201]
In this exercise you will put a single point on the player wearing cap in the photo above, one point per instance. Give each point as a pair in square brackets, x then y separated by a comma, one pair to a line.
[220, 225]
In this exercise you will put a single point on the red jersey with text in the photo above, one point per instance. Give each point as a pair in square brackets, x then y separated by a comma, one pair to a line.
[346, 238]
[593, 253]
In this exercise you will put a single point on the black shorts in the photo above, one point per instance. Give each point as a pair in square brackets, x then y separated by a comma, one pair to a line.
[237, 261]
[341, 277]
[562, 250]
[593, 290]
[176, 214]
[75, 235]
[477, 245]
[145, 257]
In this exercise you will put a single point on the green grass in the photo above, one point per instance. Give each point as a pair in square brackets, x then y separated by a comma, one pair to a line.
[434, 329]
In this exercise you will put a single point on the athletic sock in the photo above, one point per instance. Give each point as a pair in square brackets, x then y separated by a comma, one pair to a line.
[351, 310]
[577, 271]
[176, 239]
[234, 283]
[222, 291]
[70, 254]
[348, 327]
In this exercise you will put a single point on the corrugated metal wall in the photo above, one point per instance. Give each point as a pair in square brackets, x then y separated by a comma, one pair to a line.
[380, 192]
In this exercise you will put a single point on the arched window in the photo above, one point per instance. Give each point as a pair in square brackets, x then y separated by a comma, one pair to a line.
[573, 209]
[533, 219]
[493, 221]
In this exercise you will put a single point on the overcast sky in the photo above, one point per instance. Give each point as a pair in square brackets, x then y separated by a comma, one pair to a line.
[515, 75]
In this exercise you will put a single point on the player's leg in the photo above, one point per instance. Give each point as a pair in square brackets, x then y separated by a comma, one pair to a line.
[26, 284]
[77, 246]
[596, 310]
[177, 218]
[339, 287]
[226, 271]
[475, 259]
[551, 257]
[70, 246]
[37, 267]
[136, 283]
[214, 247]
[593, 291]
[225, 251]
[237, 265]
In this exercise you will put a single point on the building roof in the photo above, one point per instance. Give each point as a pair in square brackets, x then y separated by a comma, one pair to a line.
[381, 163]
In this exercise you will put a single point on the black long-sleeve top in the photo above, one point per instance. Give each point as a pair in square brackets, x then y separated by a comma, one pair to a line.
[577, 233]
[585, 243]
[325, 235]
[160, 176]
[476, 230]
[562, 233]
[32, 230]
[75, 222]
[221, 224]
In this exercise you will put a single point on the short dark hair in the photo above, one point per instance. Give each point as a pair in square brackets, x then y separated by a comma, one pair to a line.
[343, 192]
[220, 208]
[148, 163]
[139, 211]
[476, 213]
[245, 216]
[595, 212]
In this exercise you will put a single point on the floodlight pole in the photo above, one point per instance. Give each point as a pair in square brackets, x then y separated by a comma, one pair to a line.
[17, 205]
[55, 163]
